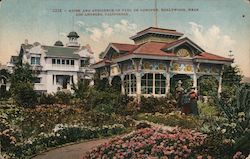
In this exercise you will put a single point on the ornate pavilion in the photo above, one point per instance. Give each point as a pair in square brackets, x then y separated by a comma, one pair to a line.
[157, 56]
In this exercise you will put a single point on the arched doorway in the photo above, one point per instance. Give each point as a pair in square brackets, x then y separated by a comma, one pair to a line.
[207, 85]
[3, 82]
[186, 80]
[102, 84]
[116, 83]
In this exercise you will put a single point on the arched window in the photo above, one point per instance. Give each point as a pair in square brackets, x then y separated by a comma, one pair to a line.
[147, 83]
[133, 84]
[160, 84]
[130, 84]
[126, 84]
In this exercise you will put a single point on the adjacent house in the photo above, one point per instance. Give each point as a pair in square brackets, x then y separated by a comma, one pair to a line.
[57, 67]
[157, 56]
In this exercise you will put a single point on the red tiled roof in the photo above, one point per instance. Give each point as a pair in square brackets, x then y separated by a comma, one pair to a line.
[152, 48]
[156, 49]
[209, 56]
[158, 30]
[102, 61]
[124, 47]
[168, 45]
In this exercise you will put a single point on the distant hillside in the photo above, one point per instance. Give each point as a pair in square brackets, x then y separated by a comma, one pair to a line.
[246, 80]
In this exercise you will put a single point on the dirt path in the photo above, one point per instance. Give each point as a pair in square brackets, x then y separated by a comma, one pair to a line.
[72, 151]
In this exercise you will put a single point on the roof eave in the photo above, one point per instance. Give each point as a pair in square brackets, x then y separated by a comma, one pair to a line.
[146, 32]
[226, 62]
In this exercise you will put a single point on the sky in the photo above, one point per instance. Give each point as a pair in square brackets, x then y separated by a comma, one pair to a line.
[218, 26]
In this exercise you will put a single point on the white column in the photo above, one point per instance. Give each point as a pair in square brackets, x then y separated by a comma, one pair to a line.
[219, 87]
[195, 78]
[167, 83]
[138, 86]
[54, 79]
[153, 84]
[220, 81]
[122, 84]
[110, 80]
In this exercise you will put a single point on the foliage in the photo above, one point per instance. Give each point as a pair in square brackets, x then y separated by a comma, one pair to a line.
[24, 95]
[171, 119]
[162, 104]
[47, 98]
[231, 80]
[22, 73]
[208, 86]
[231, 125]
[63, 97]
[22, 86]
[81, 89]
[153, 143]
[207, 109]
[9, 132]
[231, 76]
[61, 134]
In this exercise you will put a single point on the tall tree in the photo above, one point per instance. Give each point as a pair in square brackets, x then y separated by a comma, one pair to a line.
[22, 85]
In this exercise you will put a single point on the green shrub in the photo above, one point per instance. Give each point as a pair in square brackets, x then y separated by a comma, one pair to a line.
[206, 109]
[63, 97]
[47, 99]
[162, 105]
[105, 108]
[24, 95]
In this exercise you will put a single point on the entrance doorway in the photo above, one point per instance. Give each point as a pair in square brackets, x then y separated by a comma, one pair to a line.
[186, 80]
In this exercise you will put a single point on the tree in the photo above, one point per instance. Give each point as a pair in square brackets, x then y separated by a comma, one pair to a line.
[22, 85]
[231, 76]
[231, 81]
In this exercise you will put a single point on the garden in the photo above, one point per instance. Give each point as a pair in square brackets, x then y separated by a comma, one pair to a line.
[32, 123]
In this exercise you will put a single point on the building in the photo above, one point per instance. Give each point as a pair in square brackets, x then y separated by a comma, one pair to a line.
[158, 56]
[57, 67]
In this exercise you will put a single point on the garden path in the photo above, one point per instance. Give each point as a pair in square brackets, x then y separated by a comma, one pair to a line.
[75, 151]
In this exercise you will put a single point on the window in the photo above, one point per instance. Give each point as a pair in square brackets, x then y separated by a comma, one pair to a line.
[130, 84]
[84, 62]
[160, 84]
[35, 60]
[63, 61]
[58, 61]
[133, 84]
[126, 84]
[67, 62]
[53, 61]
[37, 80]
[147, 83]
[72, 62]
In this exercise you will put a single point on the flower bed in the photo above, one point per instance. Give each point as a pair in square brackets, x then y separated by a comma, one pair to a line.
[154, 142]
[62, 134]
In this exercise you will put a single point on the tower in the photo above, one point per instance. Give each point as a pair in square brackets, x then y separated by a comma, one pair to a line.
[73, 36]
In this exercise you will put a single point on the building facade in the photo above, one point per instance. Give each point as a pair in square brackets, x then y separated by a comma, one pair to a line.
[157, 56]
[57, 67]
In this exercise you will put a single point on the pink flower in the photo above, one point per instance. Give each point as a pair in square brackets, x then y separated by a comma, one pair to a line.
[199, 157]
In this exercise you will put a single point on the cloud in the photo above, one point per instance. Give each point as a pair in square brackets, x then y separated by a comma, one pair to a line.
[105, 30]
[247, 1]
[63, 34]
[211, 39]
[80, 23]
[125, 26]
[95, 33]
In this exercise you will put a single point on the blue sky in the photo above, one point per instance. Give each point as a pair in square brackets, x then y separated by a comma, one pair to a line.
[218, 26]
